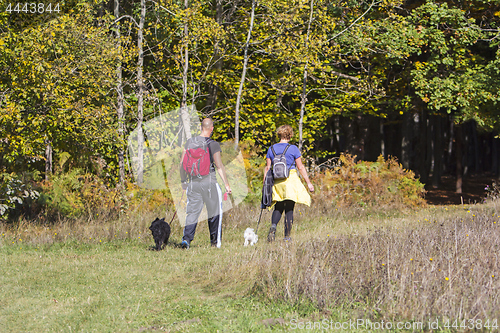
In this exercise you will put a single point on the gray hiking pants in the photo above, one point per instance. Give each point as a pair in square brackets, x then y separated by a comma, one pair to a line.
[199, 193]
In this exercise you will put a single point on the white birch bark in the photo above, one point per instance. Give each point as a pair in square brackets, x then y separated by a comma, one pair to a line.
[120, 101]
[242, 81]
[303, 96]
[48, 158]
[140, 96]
[185, 120]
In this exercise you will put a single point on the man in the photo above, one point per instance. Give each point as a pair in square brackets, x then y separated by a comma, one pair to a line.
[204, 189]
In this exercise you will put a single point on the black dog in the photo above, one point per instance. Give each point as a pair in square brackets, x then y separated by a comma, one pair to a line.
[161, 232]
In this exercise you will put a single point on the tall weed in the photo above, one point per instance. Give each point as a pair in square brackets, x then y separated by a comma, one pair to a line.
[447, 267]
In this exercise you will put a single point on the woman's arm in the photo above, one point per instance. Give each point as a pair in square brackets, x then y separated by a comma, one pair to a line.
[303, 173]
[268, 166]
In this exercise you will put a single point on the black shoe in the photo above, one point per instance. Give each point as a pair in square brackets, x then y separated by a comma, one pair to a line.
[185, 244]
[272, 234]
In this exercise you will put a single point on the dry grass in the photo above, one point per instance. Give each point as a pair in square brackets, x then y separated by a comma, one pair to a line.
[443, 264]
[397, 264]
[89, 229]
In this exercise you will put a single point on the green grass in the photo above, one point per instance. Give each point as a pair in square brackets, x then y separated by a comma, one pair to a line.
[121, 286]
[79, 277]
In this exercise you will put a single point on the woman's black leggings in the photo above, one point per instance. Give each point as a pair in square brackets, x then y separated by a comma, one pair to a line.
[287, 206]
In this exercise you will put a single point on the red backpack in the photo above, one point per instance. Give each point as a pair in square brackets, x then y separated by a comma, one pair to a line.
[196, 160]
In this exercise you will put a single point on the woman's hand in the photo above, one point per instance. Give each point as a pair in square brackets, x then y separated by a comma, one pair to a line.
[311, 187]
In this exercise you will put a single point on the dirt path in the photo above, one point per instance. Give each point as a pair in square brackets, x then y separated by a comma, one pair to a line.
[473, 190]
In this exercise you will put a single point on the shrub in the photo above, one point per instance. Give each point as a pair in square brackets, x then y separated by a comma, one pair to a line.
[254, 165]
[17, 191]
[381, 183]
[493, 191]
[73, 193]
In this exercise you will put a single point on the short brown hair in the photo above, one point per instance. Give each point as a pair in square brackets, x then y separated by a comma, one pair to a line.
[285, 132]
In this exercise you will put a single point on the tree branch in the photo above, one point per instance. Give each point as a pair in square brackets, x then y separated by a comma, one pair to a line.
[353, 23]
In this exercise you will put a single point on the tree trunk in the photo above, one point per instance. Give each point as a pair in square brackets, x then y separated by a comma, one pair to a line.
[48, 158]
[382, 139]
[406, 138]
[438, 151]
[303, 100]
[423, 147]
[213, 88]
[140, 96]
[242, 81]
[184, 112]
[495, 156]
[459, 153]
[119, 102]
[451, 137]
[428, 146]
[303, 97]
[475, 144]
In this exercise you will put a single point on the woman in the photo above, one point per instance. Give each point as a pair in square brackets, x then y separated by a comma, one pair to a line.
[287, 192]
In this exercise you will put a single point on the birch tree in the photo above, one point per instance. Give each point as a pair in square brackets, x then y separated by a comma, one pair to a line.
[140, 95]
[120, 99]
[184, 112]
[242, 81]
[303, 97]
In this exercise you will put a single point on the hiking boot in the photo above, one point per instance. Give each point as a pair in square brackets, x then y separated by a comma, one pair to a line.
[185, 244]
[272, 234]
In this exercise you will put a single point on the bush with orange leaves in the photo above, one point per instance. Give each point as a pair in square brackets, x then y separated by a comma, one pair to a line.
[384, 183]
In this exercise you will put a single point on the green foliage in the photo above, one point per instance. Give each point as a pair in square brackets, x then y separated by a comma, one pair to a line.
[254, 165]
[450, 77]
[76, 193]
[58, 73]
[383, 183]
[56, 81]
[16, 191]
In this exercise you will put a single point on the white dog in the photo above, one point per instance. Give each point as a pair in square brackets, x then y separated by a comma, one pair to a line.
[250, 237]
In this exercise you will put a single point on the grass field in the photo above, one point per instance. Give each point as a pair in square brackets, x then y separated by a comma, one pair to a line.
[102, 276]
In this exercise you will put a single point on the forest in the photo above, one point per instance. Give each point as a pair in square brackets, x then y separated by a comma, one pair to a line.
[392, 103]
[414, 80]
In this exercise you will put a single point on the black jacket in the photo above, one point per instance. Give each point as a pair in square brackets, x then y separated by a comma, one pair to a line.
[267, 190]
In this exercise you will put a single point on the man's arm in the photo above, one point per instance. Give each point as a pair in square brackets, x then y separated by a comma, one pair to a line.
[221, 170]
[183, 172]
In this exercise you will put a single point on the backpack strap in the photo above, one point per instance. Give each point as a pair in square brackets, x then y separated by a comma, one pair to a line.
[272, 149]
[207, 142]
[286, 148]
[284, 151]
[212, 164]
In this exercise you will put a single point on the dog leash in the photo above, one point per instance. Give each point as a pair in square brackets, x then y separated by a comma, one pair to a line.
[259, 220]
[175, 213]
